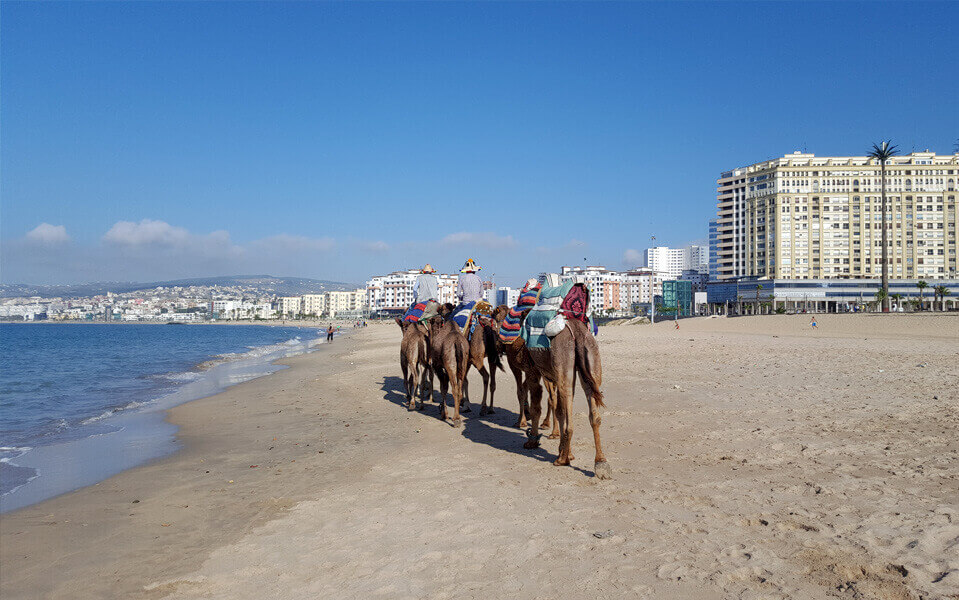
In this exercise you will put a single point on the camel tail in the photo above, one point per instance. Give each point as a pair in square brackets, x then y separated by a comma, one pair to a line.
[588, 364]
[492, 349]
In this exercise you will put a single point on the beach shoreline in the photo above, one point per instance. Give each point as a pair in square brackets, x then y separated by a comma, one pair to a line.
[777, 461]
[134, 432]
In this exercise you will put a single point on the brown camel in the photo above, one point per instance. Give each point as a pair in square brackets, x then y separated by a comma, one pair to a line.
[572, 352]
[449, 355]
[525, 373]
[483, 346]
[413, 355]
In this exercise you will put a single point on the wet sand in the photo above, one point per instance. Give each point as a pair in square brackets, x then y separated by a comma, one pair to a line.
[752, 458]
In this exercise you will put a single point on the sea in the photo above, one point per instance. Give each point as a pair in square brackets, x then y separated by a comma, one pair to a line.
[82, 402]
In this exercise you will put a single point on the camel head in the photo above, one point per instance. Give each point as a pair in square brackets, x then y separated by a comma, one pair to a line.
[500, 312]
[446, 309]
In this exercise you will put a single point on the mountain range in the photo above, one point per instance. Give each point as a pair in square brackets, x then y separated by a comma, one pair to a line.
[264, 284]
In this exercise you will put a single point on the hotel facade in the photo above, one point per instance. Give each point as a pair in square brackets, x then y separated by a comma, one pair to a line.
[808, 217]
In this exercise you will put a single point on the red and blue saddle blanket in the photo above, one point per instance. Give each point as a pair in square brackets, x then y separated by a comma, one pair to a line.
[469, 314]
[420, 311]
[509, 330]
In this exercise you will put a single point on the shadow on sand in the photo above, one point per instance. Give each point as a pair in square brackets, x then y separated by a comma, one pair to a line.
[477, 429]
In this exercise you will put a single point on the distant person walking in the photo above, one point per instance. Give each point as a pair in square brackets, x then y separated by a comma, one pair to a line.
[329, 333]
[812, 323]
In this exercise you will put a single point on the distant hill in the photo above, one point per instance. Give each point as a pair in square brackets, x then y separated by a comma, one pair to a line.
[266, 284]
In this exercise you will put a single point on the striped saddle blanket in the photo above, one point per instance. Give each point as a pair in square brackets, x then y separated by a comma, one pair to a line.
[551, 301]
[421, 311]
[509, 330]
[469, 314]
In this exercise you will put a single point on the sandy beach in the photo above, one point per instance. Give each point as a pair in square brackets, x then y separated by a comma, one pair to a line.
[752, 458]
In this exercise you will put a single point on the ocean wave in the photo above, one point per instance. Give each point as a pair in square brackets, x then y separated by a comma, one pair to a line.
[109, 413]
[15, 451]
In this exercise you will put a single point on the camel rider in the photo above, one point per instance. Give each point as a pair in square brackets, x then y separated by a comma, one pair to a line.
[469, 288]
[426, 287]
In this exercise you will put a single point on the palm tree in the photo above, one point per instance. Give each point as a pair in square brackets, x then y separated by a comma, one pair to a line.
[883, 152]
[941, 291]
[897, 298]
[881, 297]
[759, 287]
[921, 284]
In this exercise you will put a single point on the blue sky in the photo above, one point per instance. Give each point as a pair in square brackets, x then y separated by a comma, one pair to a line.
[340, 140]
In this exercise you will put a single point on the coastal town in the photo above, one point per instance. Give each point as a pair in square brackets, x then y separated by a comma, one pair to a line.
[795, 234]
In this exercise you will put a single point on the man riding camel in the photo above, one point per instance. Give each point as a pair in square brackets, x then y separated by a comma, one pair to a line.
[426, 292]
[426, 287]
[469, 287]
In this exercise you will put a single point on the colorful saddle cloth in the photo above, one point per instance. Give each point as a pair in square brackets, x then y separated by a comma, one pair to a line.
[421, 311]
[570, 300]
[461, 315]
[509, 330]
[469, 314]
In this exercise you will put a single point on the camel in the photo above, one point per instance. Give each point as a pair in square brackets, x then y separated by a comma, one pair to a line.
[413, 355]
[484, 346]
[449, 355]
[525, 373]
[572, 352]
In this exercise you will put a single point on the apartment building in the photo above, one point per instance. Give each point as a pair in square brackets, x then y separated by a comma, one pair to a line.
[395, 291]
[289, 305]
[616, 290]
[673, 261]
[315, 304]
[343, 302]
[808, 217]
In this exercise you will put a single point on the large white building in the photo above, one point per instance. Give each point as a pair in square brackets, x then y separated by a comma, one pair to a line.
[804, 216]
[673, 261]
[395, 291]
[617, 290]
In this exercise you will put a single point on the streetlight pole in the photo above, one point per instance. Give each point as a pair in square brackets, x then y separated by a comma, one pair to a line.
[652, 289]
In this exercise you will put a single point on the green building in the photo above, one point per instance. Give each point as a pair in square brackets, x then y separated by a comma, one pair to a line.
[678, 293]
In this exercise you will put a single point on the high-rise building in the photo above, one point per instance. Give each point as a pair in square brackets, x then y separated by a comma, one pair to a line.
[808, 217]
[673, 261]
[713, 249]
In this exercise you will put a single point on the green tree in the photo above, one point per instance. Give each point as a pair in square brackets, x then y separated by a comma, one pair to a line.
[883, 152]
[941, 291]
[759, 288]
[921, 284]
[881, 297]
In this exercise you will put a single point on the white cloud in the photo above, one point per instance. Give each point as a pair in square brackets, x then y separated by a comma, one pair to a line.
[146, 232]
[482, 239]
[633, 258]
[45, 233]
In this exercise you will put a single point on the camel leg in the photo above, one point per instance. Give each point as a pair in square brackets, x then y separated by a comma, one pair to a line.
[423, 392]
[457, 397]
[535, 406]
[521, 397]
[405, 368]
[485, 375]
[601, 467]
[551, 410]
[444, 388]
[492, 389]
[563, 412]
[414, 382]
[465, 402]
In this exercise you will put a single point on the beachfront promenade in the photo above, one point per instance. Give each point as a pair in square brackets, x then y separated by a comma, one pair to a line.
[752, 458]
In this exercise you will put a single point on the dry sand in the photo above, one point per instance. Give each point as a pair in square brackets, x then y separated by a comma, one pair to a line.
[752, 458]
